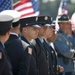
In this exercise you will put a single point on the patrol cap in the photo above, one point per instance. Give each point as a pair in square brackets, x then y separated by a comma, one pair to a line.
[30, 21]
[44, 20]
[63, 18]
[5, 22]
[15, 14]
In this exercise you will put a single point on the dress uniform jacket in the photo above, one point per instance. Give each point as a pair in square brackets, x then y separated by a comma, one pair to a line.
[63, 47]
[15, 50]
[41, 57]
[32, 63]
[5, 68]
[52, 58]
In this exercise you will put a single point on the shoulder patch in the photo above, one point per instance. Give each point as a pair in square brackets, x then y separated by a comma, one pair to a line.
[0, 55]
[30, 50]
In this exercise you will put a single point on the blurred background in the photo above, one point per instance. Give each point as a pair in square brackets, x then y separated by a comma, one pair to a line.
[50, 7]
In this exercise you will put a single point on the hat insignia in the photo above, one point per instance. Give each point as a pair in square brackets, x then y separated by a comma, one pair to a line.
[36, 18]
[26, 24]
[64, 17]
[46, 18]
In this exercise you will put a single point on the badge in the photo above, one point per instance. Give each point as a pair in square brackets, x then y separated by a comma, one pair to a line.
[26, 24]
[67, 43]
[46, 18]
[29, 50]
[0, 55]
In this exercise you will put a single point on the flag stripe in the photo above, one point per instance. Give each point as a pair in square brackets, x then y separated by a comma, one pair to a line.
[27, 14]
[30, 15]
[23, 6]
[20, 3]
[27, 11]
[27, 7]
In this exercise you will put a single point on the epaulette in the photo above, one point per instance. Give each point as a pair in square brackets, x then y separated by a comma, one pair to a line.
[25, 45]
[33, 42]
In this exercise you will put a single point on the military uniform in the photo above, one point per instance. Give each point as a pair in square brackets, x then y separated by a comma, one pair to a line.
[44, 58]
[15, 47]
[63, 46]
[52, 59]
[5, 67]
[31, 21]
[42, 64]
[5, 25]
[32, 62]
[17, 54]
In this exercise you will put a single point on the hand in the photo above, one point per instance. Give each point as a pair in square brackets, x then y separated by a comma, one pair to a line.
[61, 69]
[73, 58]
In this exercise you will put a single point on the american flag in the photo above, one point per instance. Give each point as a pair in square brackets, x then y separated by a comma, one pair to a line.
[63, 7]
[5, 5]
[61, 10]
[27, 8]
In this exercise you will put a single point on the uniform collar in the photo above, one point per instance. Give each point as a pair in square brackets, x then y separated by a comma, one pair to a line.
[2, 44]
[61, 31]
[13, 33]
[41, 40]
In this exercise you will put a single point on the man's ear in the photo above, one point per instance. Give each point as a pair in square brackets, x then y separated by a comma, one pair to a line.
[24, 29]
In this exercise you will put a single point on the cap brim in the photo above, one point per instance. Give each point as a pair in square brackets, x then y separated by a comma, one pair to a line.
[52, 24]
[60, 21]
[37, 26]
[63, 21]
[47, 25]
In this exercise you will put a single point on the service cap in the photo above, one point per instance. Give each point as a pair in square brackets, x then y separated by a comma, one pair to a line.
[5, 22]
[15, 14]
[44, 20]
[30, 21]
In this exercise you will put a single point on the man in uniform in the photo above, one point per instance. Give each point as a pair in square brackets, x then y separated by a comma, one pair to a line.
[63, 46]
[29, 31]
[15, 47]
[59, 69]
[5, 26]
[44, 60]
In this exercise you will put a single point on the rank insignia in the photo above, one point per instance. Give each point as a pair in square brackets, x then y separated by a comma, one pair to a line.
[30, 50]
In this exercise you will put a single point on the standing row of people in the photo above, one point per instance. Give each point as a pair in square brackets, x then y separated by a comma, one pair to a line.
[33, 48]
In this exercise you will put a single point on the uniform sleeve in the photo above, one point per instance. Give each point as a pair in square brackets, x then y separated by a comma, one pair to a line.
[5, 68]
[62, 47]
